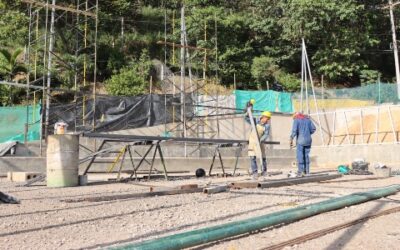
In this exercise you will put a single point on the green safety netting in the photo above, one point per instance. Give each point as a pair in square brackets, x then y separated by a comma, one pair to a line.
[376, 92]
[379, 93]
[265, 100]
[13, 120]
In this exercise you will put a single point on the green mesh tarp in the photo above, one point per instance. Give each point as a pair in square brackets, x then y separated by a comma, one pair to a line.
[377, 92]
[380, 93]
[13, 120]
[265, 100]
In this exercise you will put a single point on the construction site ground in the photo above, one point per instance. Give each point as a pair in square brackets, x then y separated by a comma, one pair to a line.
[44, 221]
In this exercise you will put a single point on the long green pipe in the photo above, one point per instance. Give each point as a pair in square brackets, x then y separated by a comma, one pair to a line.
[209, 234]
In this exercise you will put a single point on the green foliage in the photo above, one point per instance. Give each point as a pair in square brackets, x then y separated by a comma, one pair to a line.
[257, 41]
[126, 83]
[264, 69]
[290, 82]
[144, 64]
[131, 80]
[9, 64]
[368, 76]
[13, 24]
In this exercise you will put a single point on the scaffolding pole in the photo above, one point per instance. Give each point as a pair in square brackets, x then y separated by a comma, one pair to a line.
[49, 62]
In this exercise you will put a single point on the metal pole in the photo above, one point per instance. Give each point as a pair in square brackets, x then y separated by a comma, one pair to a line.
[322, 85]
[347, 127]
[37, 39]
[313, 91]
[76, 66]
[362, 126]
[183, 85]
[379, 90]
[395, 49]
[95, 65]
[302, 79]
[234, 81]
[183, 89]
[85, 28]
[28, 62]
[173, 34]
[49, 62]
[392, 124]
[216, 46]
[377, 125]
[334, 128]
[44, 79]
[305, 75]
[217, 111]
[165, 40]
[205, 53]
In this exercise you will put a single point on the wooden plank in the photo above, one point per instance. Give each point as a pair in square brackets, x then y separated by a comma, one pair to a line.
[188, 186]
[244, 184]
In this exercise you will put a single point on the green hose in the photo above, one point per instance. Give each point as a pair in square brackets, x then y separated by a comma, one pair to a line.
[214, 233]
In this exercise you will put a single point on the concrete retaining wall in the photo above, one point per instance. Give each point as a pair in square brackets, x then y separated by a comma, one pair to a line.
[335, 156]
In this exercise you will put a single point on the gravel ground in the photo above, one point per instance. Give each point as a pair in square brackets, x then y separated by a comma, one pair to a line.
[44, 221]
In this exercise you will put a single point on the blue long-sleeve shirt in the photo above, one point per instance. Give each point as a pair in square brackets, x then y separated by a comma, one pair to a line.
[302, 130]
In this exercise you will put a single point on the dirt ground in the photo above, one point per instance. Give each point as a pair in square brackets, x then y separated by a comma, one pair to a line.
[44, 221]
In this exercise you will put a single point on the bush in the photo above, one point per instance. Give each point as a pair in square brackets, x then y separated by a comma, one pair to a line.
[290, 82]
[263, 69]
[368, 76]
[126, 83]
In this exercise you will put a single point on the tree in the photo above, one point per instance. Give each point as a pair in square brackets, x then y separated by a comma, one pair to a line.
[13, 24]
[126, 83]
[264, 69]
[131, 80]
[10, 67]
[335, 31]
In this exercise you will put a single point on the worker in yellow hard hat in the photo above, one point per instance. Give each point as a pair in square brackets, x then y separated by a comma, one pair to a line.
[250, 104]
[263, 126]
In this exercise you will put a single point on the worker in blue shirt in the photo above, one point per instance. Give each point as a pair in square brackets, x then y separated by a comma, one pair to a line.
[302, 130]
[263, 129]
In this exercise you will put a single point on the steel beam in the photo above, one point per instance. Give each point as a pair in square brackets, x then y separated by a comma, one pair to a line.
[134, 138]
[299, 180]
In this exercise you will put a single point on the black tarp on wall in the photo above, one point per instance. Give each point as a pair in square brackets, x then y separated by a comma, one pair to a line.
[117, 113]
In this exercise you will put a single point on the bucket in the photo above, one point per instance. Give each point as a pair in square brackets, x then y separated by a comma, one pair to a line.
[60, 128]
[62, 160]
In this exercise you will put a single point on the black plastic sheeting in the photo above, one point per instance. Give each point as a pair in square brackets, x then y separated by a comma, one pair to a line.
[118, 113]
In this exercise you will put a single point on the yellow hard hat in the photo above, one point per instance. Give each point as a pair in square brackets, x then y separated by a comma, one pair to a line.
[252, 101]
[267, 114]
